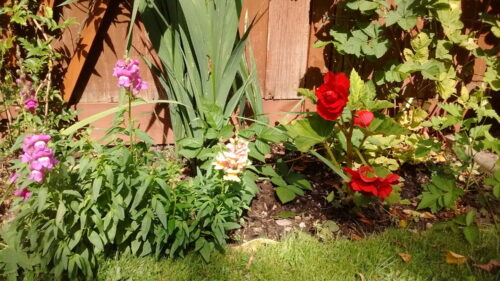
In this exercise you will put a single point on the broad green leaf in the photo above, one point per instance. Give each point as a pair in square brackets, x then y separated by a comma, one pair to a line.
[95, 239]
[428, 200]
[469, 219]
[387, 126]
[42, 199]
[96, 188]
[141, 190]
[80, 124]
[420, 45]
[356, 91]
[160, 212]
[471, 233]
[452, 108]
[146, 226]
[309, 131]
[443, 49]
[285, 194]
[444, 182]
[61, 211]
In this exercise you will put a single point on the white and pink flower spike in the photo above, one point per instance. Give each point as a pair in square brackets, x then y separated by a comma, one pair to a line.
[233, 160]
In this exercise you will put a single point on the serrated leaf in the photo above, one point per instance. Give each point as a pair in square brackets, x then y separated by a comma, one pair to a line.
[428, 200]
[387, 126]
[309, 131]
[355, 91]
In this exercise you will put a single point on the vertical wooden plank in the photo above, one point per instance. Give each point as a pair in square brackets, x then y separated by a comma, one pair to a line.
[99, 85]
[88, 34]
[319, 59]
[257, 10]
[287, 47]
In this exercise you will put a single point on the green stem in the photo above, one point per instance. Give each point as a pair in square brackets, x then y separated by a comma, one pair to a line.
[131, 123]
[330, 154]
[361, 157]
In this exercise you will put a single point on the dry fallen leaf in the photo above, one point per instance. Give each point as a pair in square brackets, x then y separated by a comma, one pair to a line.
[439, 158]
[361, 276]
[356, 237]
[367, 221]
[400, 244]
[252, 245]
[487, 266]
[405, 257]
[454, 258]
[424, 215]
[249, 263]
[298, 167]
[402, 223]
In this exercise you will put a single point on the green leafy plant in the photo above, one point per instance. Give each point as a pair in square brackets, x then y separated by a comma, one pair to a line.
[28, 92]
[122, 197]
[464, 224]
[421, 44]
[204, 68]
[345, 124]
[494, 181]
[441, 193]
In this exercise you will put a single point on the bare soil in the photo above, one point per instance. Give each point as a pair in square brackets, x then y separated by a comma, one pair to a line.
[269, 218]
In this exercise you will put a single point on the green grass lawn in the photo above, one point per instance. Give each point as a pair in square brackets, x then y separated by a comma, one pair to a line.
[302, 257]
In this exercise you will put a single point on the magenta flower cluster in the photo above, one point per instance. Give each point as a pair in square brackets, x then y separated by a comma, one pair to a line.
[129, 76]
[38, 155]
[27, 93]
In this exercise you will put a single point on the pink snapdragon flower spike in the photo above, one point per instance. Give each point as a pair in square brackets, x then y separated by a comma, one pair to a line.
[31, 104]
[23, 192]
[38, 155]
[35, 142]
[128, 73]
[233, 160]
[42, 159]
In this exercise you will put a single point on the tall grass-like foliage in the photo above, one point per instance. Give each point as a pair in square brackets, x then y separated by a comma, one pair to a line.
[203, 63]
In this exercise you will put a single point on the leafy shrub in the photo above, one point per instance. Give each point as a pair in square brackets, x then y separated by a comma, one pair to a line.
[118, 198]
[110, 200]
[411, 49]
[28, 94]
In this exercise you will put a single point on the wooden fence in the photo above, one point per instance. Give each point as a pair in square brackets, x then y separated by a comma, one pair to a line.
[281, 40]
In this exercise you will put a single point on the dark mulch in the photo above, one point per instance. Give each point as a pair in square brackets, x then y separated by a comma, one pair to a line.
[269, 218]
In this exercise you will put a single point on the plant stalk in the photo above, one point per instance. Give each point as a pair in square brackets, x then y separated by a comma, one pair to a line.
[330, 155]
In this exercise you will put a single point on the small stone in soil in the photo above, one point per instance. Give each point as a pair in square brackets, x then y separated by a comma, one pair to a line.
[283, 222]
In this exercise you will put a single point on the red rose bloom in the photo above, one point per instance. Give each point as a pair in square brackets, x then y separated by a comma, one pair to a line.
[332, 95]
[365, 181]
[363, 118]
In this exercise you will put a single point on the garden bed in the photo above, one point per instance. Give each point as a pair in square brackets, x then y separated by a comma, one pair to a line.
[269, 218]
